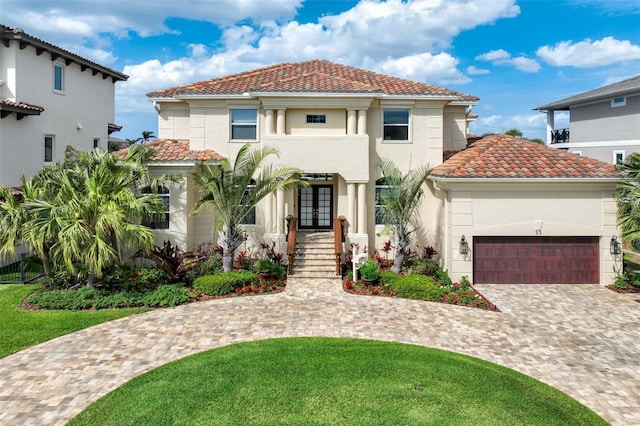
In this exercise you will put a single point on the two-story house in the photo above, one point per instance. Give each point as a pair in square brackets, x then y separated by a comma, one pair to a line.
[603, 123]
[497, 206]
[49, 98]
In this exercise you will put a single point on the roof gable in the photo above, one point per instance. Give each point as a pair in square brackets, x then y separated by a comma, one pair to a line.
[503, 156]
[308, 77]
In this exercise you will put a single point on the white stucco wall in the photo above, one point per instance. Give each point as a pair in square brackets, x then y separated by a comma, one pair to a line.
[75, 117]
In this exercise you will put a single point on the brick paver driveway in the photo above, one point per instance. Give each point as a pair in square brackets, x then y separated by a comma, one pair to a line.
[584, 340]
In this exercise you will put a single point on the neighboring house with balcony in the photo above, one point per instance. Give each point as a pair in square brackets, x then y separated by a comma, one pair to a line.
[603, 123]
[49, 98]
[499, 210]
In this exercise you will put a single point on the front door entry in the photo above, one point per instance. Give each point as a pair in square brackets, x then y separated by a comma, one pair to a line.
[315, 207]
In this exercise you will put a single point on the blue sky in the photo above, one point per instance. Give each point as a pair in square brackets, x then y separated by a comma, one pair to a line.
[514, 55]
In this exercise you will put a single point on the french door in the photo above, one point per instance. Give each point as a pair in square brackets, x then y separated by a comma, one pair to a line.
[315, 207]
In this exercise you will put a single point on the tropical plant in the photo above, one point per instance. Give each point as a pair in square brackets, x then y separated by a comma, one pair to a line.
[400, 202]
[234, 189]
[369, 270]
[628, 199]
[80, 215]
[514, 132]
[172, 260]
[147, 135]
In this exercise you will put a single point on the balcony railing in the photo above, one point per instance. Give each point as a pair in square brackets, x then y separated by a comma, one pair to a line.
[560, 136]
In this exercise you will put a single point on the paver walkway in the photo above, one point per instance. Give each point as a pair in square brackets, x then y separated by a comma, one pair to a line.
[584, 340]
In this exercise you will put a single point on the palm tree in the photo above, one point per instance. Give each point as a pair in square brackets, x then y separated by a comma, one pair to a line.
[83, 212]
[233, 190]
[400, 203]
[147, 135]
[628, 199]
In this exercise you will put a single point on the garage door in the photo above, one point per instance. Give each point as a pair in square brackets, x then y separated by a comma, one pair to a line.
[536, 260]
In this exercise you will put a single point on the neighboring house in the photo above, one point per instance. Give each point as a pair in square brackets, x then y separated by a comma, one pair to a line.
[335, 122]
[49, 98]
[603, 123]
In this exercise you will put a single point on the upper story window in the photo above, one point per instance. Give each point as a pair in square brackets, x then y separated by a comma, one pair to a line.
[96, 142]
[395, 124]
[162, 220]
[244, 124]
[49, 141]
[58, 78]
[618, 102]
[618, 156]
[316, 118]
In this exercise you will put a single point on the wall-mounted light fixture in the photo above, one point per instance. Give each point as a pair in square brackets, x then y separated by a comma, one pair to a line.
[615, 246]
[464, 246]
[78, 126]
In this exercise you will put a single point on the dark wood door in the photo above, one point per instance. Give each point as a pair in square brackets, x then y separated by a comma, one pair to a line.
[536, 260]
[315, 207]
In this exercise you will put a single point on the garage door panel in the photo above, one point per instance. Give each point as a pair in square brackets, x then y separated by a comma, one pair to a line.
[531, 260]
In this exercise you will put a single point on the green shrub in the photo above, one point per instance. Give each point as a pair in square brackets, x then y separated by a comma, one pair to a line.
[206, 267]
[83, 298]
[167, 295]
[464, 282]
[63, 280]
[120, 299]
[443, 278]
[388, 278]
[369, 270]
[419, 287]
[223, 283]
[417, 265]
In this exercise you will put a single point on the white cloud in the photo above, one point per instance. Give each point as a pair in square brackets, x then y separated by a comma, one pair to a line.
[589, 53]
[502, 57]
[425, 67]
[472, 70]
[494, 55]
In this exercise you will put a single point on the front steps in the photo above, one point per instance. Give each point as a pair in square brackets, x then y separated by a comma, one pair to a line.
[315, 256]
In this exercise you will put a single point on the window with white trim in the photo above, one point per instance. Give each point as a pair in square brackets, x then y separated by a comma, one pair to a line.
[618, 156]
[618, 102]
[96, 142]
[395, 124]
[381, 188]
[244, 124]
[162, 220]
[250, 219]
[58, 78]
[49, 142]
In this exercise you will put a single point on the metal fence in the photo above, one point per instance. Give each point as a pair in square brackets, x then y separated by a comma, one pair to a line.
[22, 268]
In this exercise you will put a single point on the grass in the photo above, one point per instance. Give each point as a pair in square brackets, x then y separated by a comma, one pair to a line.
[319, 381]
[21, 328]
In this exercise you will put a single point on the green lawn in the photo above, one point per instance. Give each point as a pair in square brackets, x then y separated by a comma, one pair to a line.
[319, 381]
[20, 329]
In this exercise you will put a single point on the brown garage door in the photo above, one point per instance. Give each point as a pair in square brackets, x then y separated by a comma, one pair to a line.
[536, 260]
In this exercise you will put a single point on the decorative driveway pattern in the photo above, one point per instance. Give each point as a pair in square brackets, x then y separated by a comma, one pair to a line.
[584, 340]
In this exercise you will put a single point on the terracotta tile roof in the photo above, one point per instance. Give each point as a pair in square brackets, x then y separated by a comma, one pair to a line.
[308, 77]
[174, 150]
[7, 104]
[503, 156]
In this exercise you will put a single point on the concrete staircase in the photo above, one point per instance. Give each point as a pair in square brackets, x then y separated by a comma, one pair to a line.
[315, 256]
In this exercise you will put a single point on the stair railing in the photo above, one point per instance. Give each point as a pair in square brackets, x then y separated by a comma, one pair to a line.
[339, 239]
[292, 224]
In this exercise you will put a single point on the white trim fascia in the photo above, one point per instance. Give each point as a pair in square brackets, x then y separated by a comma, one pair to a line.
[209, 96]
[315, 94]
[597, 144]
[422, 97]
[464, 103]
[161, 100]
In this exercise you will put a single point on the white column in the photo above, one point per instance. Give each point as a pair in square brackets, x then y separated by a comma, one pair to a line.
[362, 214]
[280, 211]
[351, 211]
[550, 125]
[362, 121]
[268, 220]
[268, 126]
[280, 129]
[351, 121]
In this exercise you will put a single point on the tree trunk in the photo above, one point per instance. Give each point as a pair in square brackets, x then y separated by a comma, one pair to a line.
[401, 245]
[227, 261]
[91, 279]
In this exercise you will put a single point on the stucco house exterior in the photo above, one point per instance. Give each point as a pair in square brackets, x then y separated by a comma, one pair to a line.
[335, 122]
[604, 123]
[49, 98]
